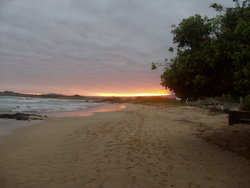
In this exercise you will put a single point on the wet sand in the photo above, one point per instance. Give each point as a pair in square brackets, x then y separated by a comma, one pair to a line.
[8, 125]
[90, 111]
[140, 146]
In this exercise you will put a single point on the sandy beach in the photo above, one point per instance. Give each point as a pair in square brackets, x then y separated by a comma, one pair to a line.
[140, 146]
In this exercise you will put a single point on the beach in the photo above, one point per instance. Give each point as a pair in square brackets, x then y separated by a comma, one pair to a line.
[140, 146]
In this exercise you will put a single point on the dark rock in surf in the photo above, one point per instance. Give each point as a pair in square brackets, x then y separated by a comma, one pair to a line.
[22, 116]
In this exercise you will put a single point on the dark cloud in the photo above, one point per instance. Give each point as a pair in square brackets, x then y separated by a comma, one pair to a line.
[77, 45]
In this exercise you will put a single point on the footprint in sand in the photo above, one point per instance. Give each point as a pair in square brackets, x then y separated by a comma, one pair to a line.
[208, 178]
[134, 178]
[163, 182]
[171, 167]
[193, 185]
[155, 176]
[93, 179]
[118, 161]
[165, 152]
[137, 164]
[98, 170]
[129, 153]
[129, 167]
[164, 173]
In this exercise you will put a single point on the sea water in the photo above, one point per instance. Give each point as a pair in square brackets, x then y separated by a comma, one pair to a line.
[9, 104]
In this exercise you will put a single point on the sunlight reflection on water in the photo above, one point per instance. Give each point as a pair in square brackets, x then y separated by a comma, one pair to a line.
[89, 112]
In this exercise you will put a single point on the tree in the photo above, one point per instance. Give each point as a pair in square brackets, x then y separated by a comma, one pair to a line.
[235, 35]
[212, 55]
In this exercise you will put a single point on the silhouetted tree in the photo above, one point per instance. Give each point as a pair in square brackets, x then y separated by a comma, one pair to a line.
[212, 55]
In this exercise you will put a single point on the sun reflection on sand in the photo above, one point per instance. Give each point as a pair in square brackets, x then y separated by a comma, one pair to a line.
[89, 112]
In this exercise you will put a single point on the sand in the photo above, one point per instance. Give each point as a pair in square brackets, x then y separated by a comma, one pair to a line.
[8, 125]
[140, 146]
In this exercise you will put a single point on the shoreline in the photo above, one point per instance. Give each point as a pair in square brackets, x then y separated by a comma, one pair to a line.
[140, 146]
[9, 125]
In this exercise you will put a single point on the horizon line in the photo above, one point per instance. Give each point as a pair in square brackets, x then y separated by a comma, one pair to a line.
[97, 94]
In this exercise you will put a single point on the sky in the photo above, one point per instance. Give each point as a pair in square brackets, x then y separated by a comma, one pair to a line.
[89, 47]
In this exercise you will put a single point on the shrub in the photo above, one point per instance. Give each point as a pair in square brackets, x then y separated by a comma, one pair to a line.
[246, 104]
[228, 98]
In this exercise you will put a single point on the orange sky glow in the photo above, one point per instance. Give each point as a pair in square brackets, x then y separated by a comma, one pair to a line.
[30, 93]
[157, 93]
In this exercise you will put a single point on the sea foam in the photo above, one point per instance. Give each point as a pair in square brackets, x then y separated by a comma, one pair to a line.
[9, 104]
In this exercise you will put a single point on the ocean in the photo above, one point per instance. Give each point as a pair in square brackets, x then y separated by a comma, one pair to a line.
[9, 104]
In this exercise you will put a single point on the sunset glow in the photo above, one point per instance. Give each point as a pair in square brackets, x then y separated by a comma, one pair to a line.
[161, 93]
[31, 93]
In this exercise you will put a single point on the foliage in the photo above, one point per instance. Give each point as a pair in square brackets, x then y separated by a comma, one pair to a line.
[153, 66]
[153, 100]
[246, 104]
[227, 98]
[212, 55]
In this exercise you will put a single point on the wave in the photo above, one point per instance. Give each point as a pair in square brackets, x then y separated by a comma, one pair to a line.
[9, 104]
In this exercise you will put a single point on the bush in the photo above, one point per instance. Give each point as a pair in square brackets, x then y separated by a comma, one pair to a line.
[228, 98]
[246, 104]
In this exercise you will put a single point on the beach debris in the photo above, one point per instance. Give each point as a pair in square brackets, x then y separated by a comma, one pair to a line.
[22, 116]
[214, 105]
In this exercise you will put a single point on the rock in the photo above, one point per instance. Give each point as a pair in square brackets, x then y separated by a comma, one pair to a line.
[21, 116]
[17, 116]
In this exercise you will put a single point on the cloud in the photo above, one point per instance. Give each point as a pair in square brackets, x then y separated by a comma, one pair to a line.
[87, 45]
